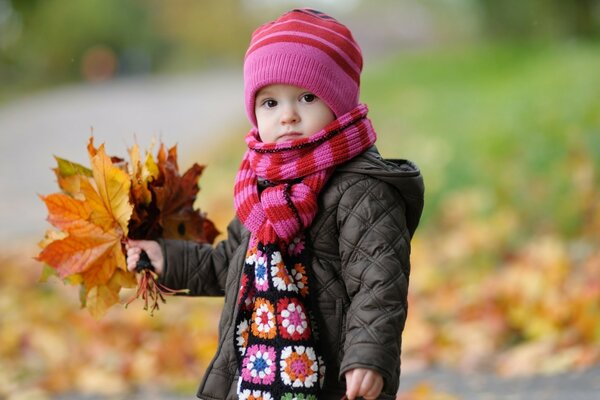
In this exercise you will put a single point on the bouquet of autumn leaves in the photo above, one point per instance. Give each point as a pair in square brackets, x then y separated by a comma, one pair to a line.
[99, 207]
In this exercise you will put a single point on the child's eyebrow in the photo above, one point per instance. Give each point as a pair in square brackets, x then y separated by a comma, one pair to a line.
[264, 93]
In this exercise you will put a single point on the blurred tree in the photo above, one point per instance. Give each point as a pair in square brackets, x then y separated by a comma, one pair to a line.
[54, 41]
[584, 16]
[57, 34]
[202, 32]
[540, 18]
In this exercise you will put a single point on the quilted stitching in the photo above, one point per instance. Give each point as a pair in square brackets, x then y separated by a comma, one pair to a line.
[372, 240]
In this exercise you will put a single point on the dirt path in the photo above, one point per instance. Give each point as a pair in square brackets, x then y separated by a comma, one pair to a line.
[575, 385]
[583, 385]
[187, 110]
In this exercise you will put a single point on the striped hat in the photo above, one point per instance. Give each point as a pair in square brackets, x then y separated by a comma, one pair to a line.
[309, 49]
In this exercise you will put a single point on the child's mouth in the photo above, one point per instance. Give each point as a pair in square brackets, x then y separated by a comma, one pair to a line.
[289, 136]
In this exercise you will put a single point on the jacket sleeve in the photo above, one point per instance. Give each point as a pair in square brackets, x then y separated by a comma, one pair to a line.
[375, 253]
[201, 268]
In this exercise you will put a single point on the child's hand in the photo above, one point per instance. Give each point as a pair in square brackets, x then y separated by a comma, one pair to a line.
[152, 248]
[363, 382]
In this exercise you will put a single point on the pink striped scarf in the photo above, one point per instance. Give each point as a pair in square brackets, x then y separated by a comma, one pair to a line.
[283, 210]
[275, 327]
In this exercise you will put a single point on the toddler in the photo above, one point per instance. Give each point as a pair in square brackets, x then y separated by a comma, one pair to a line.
[315, 266]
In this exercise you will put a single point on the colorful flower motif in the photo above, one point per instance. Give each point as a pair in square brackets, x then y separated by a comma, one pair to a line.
[248, 394]
[298, 366]
[259, 365]
[292, 319]
[242, 336]
[249, 301]
[298, 396]
[299, 275]
[322, 369]
[251, 255]
[296, 247]
[260, 269]
[263, 320]
[282, 279]
[276, 258]
[243, 285]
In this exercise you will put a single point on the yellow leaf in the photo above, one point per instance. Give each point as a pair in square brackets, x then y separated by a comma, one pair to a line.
[123, 279]
[150, 169]
[113, 186]
[100, 298]
[140, 192]
[99, 214]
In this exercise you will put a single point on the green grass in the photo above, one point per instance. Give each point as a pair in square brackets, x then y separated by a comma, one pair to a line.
[513, 121]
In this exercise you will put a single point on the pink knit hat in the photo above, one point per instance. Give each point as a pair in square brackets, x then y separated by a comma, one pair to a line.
[309, 49]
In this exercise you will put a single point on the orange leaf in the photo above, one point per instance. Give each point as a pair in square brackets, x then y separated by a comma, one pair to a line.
[80, 250]
[101, 271]
[65, 212]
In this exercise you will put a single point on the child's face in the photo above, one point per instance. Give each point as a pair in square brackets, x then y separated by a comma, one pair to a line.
[286, 112]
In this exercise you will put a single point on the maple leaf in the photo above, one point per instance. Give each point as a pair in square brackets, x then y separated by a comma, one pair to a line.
[101, 297]
[144, 223]
[175, 197]
[142, 174]
[112, 185]
[171, 213]
[68, 174]
[94, 213]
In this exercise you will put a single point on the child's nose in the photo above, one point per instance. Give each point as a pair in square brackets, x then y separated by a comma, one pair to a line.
[289, 114]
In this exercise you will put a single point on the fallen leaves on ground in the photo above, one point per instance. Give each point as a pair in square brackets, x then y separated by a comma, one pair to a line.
[486, 297]
[48, 345]
[424, 391]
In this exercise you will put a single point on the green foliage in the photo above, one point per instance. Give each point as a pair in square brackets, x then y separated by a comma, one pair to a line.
[539, 18]
[53, 36]
[513, 120]
[198, 33]
[46, 42]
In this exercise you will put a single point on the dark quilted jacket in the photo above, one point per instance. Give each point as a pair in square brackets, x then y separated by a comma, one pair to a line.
[360, 239]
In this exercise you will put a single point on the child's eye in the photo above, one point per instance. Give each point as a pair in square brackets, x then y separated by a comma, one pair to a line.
[269, 103]
[308, 98]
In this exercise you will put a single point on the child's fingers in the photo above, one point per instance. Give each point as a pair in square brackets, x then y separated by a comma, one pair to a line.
[364, 383]
[133, 254]
[365, 386]
[152, 249]
[352, 384]
[129, 243]
[132, 261]
[371, 386]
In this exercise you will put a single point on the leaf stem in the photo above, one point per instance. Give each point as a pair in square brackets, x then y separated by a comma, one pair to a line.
[152, 292]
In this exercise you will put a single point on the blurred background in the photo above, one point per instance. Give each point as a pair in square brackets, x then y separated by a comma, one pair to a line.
[498, 102]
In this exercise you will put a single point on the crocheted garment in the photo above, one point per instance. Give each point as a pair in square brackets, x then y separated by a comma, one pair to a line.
[276, 332]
